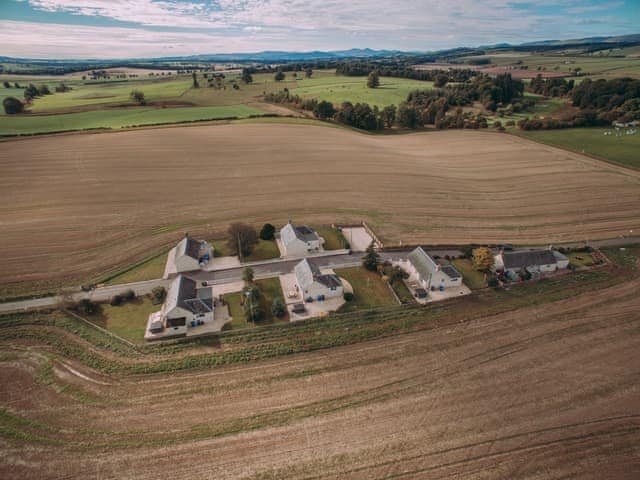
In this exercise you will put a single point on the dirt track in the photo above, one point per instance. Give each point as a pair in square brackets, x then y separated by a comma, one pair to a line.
[74, 205]
[539, 393]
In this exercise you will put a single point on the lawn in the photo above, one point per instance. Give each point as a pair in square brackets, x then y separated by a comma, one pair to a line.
[369, 290]
[622, 149]
[338, 89]
[333, 238]
[270, 289]
[148, 270]
[264, 250]
[626, 257]
[128, 320]
[580, 259]
[403, 292]
[470, 276]
[88, 93]
[117, 118]
[220, 248]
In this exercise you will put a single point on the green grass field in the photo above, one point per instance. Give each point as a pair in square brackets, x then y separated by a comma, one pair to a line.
[622, 150]
[270, 289]
[264, 250]
[128, 320]
[338, 89]
[149, 270]
[83, 94]
[369, 290]
[333, 239]
[117, 118]
[470, 276]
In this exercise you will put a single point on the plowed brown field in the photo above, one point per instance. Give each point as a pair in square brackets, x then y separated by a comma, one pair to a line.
[73, 206]
[544, 392]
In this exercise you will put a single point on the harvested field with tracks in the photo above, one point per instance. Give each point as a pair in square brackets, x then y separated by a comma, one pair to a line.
[546, 391]
[75, 206]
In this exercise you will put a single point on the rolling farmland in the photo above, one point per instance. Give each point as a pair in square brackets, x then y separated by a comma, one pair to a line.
[84, 205]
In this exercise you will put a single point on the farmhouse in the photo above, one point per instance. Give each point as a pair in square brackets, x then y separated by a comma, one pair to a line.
[184, 307]
[189, 255]
[299, 241]
[533, 261]
[429, 274]
[314, 285]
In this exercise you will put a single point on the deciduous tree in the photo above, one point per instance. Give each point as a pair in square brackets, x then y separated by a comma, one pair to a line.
[482, 259]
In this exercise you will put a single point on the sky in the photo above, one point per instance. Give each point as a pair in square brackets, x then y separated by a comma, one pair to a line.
[68, 29]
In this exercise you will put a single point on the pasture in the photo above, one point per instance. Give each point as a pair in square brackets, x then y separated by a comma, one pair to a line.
[117, 118]
[621, 149]
[76, 207]
[435, 391]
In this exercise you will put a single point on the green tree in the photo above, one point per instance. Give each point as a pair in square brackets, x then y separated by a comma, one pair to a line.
[389, 115]
[246, 76]
[408, 116]
[6, 84]
[31, 92]
[279, 76]
[195, 80]
[87, 307]
[278, 308]
[440, 80]
[248, 275]
[44, 90]
[324, 110]
[158, 294]
[371, 258]
[482, 259]
[242, 238]
[12, 105]
[138, 97]
[268, 232]
[373, 80]
[252, 309]
[308, 72]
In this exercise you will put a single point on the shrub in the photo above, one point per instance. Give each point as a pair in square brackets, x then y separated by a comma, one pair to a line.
[128, 295]
[12, 105]
[158, 294]
[268, 232]
[278, 308]
[116, 300]
[87, 307]
[493, 282]
[348, 296]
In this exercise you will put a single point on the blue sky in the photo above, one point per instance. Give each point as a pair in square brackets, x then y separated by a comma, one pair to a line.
[144, 28]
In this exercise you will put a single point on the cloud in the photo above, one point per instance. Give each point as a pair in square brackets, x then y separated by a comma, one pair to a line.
[213, 26]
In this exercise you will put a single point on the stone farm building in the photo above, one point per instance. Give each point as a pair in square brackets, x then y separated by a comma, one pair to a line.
[534, 261]
[189, 255]
[299, 241]
[314, 284]
[429, 274]
[185, 306]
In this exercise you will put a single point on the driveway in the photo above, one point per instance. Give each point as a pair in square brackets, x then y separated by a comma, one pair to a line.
[358, 238]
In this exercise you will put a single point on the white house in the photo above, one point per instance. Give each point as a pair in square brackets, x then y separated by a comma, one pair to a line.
[184, 307]
[299, 241]
[430, 274]
[312, 283]
[189, 255]
[534, 261]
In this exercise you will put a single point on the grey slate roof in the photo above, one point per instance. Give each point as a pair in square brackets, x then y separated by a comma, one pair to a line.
[426, 266]
[422, 262]
[523, 259]
[190, 247]
[184, 294]
[308, 272]
[290, 232]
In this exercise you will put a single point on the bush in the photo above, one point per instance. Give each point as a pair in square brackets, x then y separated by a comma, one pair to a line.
[12, 105]
[128, 295]
[116, 300]
[278, 308]
[87, 307]
[158, 294]
[493, 282]
[348, 296]
[268, 232]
